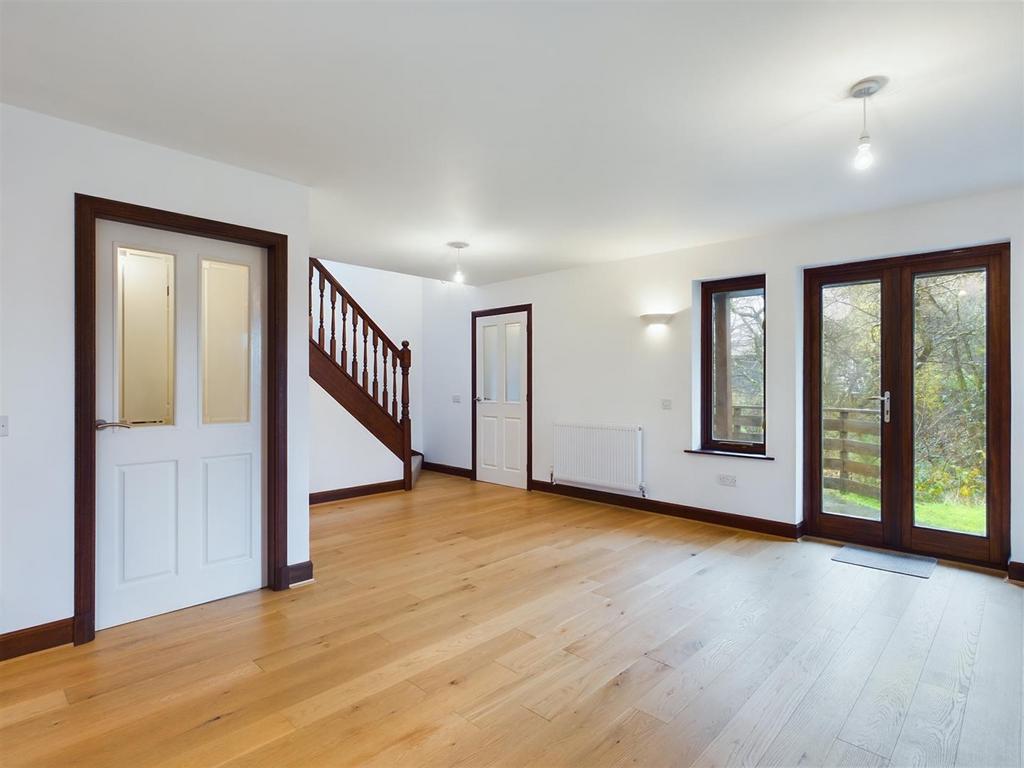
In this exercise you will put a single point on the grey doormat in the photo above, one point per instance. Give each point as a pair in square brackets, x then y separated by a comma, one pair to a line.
[897, 562]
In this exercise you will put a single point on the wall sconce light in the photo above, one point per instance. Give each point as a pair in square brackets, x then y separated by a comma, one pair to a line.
[661, 319]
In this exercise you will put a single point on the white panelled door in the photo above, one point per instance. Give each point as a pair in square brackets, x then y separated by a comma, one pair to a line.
[501, 399]
[179, 403]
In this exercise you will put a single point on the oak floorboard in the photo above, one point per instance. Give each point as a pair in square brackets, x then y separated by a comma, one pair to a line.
[469, 625]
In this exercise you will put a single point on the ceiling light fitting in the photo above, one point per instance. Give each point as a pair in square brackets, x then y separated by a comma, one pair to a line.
[864, 90]
[659, 318]
[458, 245]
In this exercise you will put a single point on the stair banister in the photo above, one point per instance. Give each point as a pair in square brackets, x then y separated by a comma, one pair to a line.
[382, 409]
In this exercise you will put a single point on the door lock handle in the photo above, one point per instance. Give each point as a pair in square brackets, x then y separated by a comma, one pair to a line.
[104, 424]
[886, 400]
[478, 399]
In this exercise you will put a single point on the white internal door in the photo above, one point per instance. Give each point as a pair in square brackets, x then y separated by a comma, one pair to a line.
[501, 399]
[179, 486]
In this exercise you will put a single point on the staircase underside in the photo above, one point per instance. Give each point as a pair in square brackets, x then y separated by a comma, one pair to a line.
[354, 399]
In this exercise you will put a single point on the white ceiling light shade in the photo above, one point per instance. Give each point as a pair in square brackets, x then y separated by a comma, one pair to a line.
[864, 90]
[458, 245]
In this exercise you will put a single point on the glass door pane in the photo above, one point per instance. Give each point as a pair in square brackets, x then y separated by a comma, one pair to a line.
[145, 336]
[950, 401]
[491, 363]
[851, 383]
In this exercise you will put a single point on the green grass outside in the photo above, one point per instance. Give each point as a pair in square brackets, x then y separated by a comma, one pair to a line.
[963, 518]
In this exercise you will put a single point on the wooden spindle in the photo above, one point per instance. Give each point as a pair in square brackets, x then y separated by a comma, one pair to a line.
[375, 392]
[344, 314]
[320, 335]
[366, 332]
[384, 365]
[309, 290]
[394, 386]
[334, 343]
[355, 344]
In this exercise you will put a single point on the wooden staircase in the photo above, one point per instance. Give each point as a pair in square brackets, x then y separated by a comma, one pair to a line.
[359, 366]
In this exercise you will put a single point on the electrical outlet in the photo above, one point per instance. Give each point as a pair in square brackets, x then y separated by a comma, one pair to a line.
[666, 405]
[456, 398]
[727, 480]
[5, 426]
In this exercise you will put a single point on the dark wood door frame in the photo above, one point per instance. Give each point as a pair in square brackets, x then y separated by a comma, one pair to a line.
[528, 309]
[88, 210]
[899, 532]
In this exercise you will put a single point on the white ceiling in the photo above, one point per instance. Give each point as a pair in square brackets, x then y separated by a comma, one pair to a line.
[545, 134]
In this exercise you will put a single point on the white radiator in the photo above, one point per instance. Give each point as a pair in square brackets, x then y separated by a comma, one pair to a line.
[596, 454]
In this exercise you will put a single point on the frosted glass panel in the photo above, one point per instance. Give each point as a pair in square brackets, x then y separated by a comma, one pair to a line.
[225, 342]
[491, 363]
[513, 362]
[145, 327]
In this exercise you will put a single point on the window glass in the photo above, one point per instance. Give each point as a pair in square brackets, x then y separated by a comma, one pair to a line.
[492, 363]
[734, 333]
[145, 327]
[513, 362]
[225, 342]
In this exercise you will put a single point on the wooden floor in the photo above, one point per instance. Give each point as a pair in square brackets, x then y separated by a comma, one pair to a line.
[471, 625]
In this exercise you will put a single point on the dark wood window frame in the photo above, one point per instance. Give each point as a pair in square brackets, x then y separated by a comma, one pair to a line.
[898, 532]
[708, 444]
[88, 210]
[528, 309]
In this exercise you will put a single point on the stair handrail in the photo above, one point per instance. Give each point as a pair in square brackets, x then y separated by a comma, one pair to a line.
[325, 273]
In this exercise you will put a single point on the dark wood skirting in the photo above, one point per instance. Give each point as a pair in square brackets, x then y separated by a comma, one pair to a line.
[300, 572]
[755, 524]
[447, 469]
[1015, 571]
[39, 638]
[322, 497]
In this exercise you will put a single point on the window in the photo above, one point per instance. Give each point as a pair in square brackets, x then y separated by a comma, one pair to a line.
[732, 365]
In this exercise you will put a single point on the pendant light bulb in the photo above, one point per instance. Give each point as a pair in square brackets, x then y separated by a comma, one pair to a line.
[458, 245]
[864, 159]
[864, 90]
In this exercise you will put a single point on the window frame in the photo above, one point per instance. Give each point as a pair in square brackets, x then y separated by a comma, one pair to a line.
[708, 289]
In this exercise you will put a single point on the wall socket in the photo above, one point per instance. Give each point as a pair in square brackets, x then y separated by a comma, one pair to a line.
[666, 405]
[727, 480]
[456, 398]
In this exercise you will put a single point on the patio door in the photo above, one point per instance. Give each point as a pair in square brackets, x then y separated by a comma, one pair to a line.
[907, 403]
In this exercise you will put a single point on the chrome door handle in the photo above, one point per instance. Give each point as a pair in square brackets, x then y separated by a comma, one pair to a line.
[478, 399]
[886, 402]
[104, 424]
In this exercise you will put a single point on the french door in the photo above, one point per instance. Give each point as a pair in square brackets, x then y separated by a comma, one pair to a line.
[907, 403]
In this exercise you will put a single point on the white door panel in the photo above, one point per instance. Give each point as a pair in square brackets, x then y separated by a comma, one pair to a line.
[179, 500]
[501, 402]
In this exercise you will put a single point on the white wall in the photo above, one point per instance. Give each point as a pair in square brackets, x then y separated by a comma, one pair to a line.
[343, 453]
[594, 361]
[43, 163]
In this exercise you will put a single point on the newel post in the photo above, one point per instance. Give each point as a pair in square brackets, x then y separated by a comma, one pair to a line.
[405, 360]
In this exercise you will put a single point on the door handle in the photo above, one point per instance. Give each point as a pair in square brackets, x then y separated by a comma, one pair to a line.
[104, 424]
[886, 402]
[478, 399]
